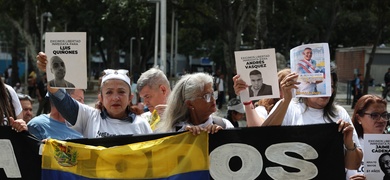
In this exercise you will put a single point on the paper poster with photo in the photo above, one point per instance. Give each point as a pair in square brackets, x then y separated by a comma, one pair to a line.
[258, 69]
[377, 156]
[312, 63]
[67, 59]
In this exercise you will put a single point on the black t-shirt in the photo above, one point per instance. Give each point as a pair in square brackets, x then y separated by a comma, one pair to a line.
[387, 78]
[42, 87]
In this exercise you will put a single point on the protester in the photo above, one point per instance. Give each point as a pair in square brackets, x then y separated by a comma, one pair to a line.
[10, 109]
[190, 105]
[386, 78]
[357, 89]
[31, 83]
[18, 88]
[27, 110]
[235, 112]
[54, 125]
[114, 114]
[8, 75]
[153, 86]
[256, 116]
[369, 117]
[220, 88]
[264, 106]
[41, 90]
[316, 110]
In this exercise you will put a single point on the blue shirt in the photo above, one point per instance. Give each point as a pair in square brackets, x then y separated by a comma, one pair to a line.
[44, 127]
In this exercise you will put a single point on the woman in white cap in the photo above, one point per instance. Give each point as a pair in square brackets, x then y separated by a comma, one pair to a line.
[236, 112]
[115, 114]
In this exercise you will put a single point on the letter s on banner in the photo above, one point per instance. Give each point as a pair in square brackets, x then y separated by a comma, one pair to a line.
[277, 153]
[252, 162]
[8, 160]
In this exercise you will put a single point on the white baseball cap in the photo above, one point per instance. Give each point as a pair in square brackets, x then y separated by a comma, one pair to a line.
[120, 74]
[236, 105]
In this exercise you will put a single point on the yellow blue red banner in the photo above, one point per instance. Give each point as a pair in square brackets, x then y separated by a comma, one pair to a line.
[182, 156]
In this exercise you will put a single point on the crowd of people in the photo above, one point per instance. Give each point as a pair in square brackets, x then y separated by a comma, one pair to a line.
[189, 106]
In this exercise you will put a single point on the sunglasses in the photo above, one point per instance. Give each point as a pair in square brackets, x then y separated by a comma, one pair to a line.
[25, 97]
[378, 116]
[116, 71]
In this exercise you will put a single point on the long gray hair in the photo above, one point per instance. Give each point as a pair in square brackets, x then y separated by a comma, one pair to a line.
[188, 87]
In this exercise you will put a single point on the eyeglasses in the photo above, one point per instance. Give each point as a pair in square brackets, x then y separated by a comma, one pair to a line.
[116, 71]
[377, 116]
[208, 96]
[25, 97]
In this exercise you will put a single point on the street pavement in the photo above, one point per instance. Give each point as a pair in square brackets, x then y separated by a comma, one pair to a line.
[341, 99]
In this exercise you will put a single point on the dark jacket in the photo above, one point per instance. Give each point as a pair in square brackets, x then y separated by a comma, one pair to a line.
[264, 90]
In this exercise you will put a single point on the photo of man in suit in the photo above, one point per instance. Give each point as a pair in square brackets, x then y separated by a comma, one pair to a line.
[257, 87]
[307, 65]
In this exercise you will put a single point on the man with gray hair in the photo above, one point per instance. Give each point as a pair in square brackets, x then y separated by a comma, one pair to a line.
[153, 87]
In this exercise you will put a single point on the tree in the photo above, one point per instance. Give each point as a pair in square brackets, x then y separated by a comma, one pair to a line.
[231, 18]
[18, 29]
[381, 11]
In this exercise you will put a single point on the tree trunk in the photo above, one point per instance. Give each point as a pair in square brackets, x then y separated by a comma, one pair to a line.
[370, 60]
[334, 15]
[263, 24]
[14, 49]
[234, 18]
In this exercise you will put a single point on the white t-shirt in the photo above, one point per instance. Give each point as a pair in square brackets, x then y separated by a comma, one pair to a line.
[15, 100]
[91, 125]
[297, 114]
[183, 125]
[261, 111]
[361, 168]
[220, 85]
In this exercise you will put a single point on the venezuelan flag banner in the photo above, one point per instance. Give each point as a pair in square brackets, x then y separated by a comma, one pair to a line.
[181, 156]
[155, 119]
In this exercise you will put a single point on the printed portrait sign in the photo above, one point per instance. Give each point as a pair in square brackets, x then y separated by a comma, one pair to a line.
[312, 63]
[258, 69]
[67, 59]
[377, 156]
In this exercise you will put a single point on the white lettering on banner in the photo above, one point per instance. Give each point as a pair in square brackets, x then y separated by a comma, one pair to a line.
[277, 154]
[252, 162]
[8, 160]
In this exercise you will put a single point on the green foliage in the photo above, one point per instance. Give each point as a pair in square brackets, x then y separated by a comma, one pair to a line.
[205, 24]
